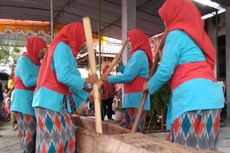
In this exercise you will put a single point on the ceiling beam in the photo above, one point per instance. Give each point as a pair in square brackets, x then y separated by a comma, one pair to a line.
[25, 7]
[62, 11]
[103, 22]
[119, 18]
[110, 24]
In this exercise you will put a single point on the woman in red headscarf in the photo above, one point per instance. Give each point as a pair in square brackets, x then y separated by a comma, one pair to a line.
[188, 62]
[133, 76]
[57, 79]
[108, 91]
[25, 80]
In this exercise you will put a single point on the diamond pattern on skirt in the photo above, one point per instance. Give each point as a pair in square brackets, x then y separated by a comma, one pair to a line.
[128, 117]
[28, 136]
[209, 124]
[176, 126]
[58, 134]
[199, 129]
[198, 126]
[44, 149]
[27, 133]
[47, 137]
[60, 148]
[68, 119]
[57, 123]
[63, 121]
[20, 134]
[186, 125]
[51, 148]
[216, 125]
[27, 118]
[71, 145]
[40, 123]
[49, 123]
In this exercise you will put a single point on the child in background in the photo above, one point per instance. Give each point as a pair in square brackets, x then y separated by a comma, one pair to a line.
[10, 88]
[6, 109]
[10, 83]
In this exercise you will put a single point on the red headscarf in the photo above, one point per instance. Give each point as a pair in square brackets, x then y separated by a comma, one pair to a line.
[139, 40]
[73, 35]
[34, 46]
[183, 15]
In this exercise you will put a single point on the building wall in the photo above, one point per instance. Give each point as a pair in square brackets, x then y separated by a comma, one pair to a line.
[212, 28]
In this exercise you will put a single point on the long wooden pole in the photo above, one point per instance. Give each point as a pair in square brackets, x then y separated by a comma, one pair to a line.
[92, 63]
[113, 63]
[99, 34]
[140, 109]
[115, 60]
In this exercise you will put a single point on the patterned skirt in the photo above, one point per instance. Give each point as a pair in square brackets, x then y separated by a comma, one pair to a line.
[55, 132]
[198, 129]
[128, 118]
[27, 133]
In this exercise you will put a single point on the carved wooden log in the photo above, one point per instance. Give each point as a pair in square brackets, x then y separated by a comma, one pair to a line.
[119, 140]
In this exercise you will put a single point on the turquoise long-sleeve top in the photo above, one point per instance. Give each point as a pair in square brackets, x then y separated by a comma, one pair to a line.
[195, 94]
[80, 99]
[27, 71]
[65, 67]
[137, 66]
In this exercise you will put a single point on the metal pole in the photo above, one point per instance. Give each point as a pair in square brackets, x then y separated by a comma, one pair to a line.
[99, 34]
[227, 35]
[217, 47]
[51, 20]
[124, 12]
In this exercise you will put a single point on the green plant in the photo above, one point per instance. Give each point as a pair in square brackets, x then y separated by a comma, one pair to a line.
[7, 52]
[160, 99]
[15, 54]
[159, 103]
[4, 54]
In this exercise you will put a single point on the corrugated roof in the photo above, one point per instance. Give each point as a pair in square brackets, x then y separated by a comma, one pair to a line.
[66, 11]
